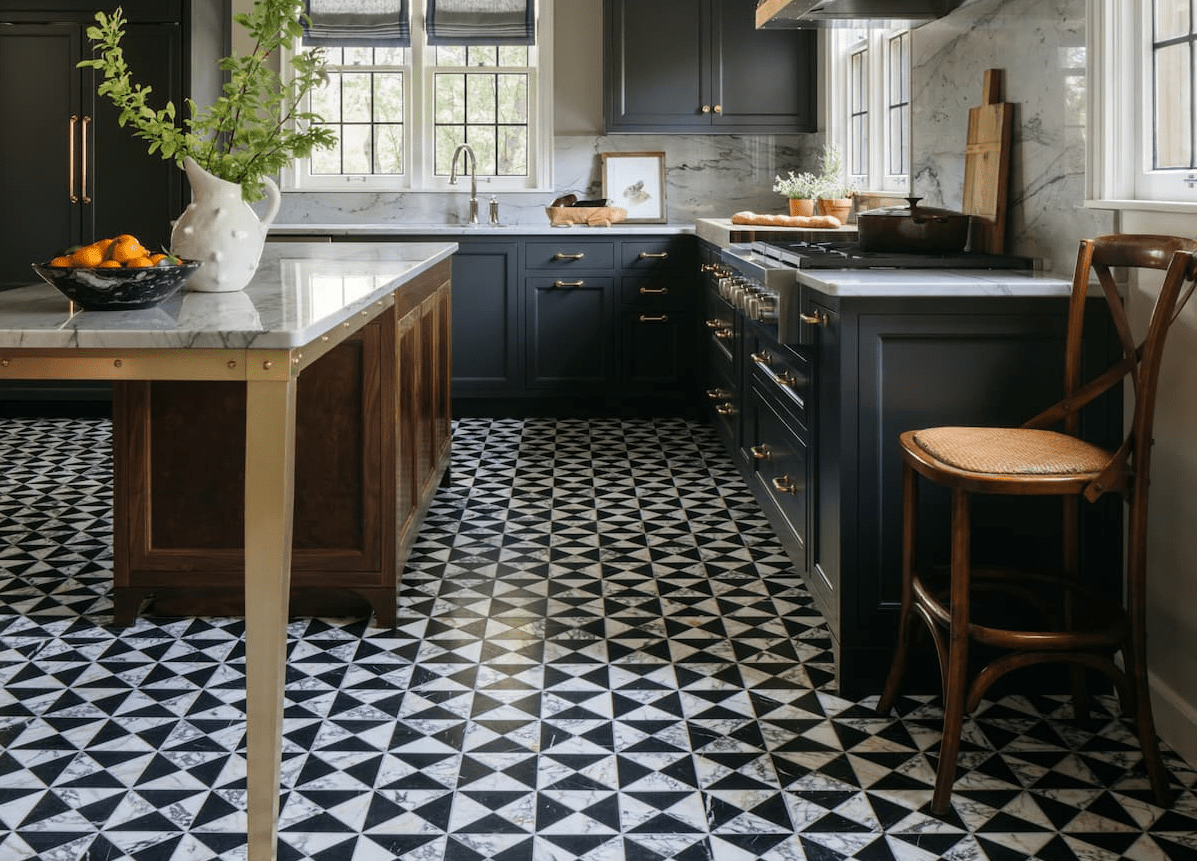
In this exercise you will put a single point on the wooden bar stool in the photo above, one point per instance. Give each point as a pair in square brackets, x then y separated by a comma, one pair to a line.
[1078, 626]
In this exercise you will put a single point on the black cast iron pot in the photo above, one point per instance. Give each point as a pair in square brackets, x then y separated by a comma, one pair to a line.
[913, 228]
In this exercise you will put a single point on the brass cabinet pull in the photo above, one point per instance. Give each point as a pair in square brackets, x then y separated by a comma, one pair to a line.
[650, 255]
[785, 378]
[660, 318]
[761, 452]
[761, 358]
[724, 334]
[782, 484]
[71, 123]
[718, 394]
[725, 409]
[654, 291]
[561, 255]
[816, 319]
[716, 324]
[718, 109]
[568, 283]
[83, 160]
[706, 109]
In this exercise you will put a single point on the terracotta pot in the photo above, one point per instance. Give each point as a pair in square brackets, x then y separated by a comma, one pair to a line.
[802, 206]
[840, 207]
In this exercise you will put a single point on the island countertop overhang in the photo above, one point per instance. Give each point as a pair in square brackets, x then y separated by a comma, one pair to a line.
[300, 292]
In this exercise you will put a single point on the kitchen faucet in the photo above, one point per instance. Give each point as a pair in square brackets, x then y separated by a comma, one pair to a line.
[473, 168]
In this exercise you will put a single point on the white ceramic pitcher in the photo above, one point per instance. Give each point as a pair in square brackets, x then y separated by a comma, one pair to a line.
[219, 229]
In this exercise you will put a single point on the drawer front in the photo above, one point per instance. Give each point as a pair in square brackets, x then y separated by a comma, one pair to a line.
[786, 378]
[781, 461]
[653, 254]
[719, 326]
[656, 290]
[722, 406]
[566, 255]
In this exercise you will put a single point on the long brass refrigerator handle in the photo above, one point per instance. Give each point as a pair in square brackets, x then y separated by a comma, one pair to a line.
[71, 195]
[83, 159]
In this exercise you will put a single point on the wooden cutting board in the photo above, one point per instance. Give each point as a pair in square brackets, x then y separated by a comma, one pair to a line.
[987, 166]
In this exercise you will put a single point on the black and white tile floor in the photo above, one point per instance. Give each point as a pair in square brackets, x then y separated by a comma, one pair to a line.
[601, 654]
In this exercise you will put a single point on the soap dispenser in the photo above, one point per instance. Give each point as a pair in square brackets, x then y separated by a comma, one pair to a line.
[494, 209]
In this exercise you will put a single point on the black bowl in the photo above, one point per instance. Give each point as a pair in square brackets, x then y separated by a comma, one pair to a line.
[115, 289]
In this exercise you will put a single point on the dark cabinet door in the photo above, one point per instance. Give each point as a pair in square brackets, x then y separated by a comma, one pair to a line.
[657, 349]
[761, 78]
[486, 358]
[40, 101]
[570, 339]
[657, 67]
[701, 65]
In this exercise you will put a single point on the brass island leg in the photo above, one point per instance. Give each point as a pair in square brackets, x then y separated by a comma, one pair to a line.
[269, 511]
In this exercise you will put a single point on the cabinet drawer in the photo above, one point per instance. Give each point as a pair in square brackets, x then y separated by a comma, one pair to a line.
[652, 254]
[656, 290]
[567, 255]
[786, 378]
[781, 471]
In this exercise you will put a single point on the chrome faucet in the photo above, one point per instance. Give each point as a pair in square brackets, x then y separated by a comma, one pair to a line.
[473, 167]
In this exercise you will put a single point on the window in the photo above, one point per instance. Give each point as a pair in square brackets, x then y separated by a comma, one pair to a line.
[870, 98]
[1142, 85]
[400, 113]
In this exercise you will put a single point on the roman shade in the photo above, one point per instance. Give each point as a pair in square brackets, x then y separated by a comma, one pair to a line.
[358, 23]
[481, 22]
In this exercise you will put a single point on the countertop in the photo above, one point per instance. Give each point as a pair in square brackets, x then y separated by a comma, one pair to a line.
[300, 291]
[466, 230]
[914, 283]
[722, 233]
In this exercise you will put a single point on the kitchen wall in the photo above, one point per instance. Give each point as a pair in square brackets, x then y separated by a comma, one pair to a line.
[705, 175]
[1039, 44]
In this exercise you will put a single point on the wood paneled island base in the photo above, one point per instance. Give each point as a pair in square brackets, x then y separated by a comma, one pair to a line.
[372, 442]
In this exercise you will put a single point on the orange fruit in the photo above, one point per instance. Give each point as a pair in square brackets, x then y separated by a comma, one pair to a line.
[88, 256]
[124, 249]
[108, 264]
[61, 261]
[157, 258]
[138, 263]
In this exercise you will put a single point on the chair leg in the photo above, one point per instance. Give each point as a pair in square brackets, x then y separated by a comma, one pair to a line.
[956, 682]
[1071, 566]
[897, 667]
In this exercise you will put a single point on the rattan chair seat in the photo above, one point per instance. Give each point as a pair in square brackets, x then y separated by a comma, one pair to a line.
[1012, 451]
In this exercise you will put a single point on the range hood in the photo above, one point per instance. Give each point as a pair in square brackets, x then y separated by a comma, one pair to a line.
[776, 14]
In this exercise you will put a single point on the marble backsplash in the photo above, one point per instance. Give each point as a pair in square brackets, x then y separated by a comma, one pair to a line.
[706, 176]
[1040, 45]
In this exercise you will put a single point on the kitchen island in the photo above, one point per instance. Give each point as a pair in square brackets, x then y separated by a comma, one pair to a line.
[304, 302]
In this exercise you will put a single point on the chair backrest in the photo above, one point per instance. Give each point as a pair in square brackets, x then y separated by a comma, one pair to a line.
[1177, 258]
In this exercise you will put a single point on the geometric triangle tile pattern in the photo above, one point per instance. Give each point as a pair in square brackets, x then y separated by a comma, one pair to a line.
[602, 653]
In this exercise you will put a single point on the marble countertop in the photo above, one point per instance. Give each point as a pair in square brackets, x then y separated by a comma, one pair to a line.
[722, 233]
[467, 230]
[300, 291]
[914, 283]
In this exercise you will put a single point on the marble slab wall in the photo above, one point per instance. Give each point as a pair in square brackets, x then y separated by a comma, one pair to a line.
[1040, 45]
[705, 176]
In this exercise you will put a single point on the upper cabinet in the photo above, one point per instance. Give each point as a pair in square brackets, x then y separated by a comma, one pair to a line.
[702, 66]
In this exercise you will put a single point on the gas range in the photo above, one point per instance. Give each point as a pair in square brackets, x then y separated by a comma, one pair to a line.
[849, 255]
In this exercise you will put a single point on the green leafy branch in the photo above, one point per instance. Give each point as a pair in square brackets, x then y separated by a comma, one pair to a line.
[258, 124]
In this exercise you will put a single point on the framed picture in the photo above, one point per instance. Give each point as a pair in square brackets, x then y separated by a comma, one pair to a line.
[636, 182]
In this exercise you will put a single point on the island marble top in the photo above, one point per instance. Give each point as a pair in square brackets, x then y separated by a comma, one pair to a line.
[944, 283]
[301, 291]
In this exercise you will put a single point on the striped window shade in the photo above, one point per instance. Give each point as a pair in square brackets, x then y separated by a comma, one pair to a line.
[358, 23]
[481, 22]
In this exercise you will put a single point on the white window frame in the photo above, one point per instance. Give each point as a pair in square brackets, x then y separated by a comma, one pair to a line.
[1120, 173]
[418, 146]
[843, 42]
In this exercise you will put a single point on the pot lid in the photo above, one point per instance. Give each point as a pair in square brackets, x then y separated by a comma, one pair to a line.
[913, 210]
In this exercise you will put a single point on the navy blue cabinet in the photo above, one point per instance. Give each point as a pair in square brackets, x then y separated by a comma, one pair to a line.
[486, 312]
[702, 66]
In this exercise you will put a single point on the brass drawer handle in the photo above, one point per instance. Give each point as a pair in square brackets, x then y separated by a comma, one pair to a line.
[782, 484]
[654, 291]
[568, 283]
[715, 324]
[725, 409]
[761, 452]
[649, 255]
[785, 378]
[761, 358]
[816, 319]
[724, 334]
[661, 318]
[561, 255]
[718, 394]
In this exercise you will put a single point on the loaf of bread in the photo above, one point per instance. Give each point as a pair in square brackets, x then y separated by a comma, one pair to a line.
[828, 222]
